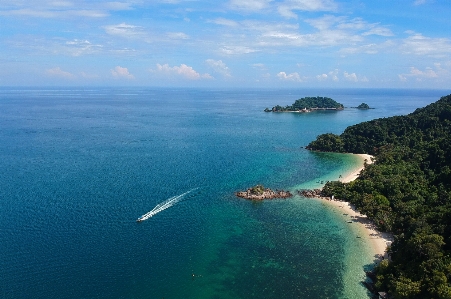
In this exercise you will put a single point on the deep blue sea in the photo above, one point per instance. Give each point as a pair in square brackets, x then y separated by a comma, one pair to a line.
[78, 166]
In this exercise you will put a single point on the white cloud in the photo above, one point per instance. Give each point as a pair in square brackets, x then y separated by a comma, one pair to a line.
[289, 77]
[354, 25]
[438, 72]
[177, 35]
[428, 72]
[58, 72]
[121, 72]
[119, 6]
[377, 30]
[64, 9]
[183, 70]
[252, 5]
[369, 48]
[225, 22]
[232, 50]
[123, 30]
[332, 75]
[78, 47]
[421, 45]
[52, 13]
[322, 77]
[259, 66]
[354, 78]
[286, 8]
[219, 67]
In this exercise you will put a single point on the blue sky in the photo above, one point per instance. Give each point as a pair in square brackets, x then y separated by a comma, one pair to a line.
[230, 43]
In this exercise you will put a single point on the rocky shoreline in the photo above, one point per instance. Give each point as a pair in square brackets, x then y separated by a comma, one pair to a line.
[259, 192]
[315, 193]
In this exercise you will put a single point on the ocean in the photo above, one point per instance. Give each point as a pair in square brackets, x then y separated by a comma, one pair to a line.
[78, 166]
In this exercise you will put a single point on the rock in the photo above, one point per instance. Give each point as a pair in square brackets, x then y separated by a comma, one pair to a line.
[260, 193]
[310, 193]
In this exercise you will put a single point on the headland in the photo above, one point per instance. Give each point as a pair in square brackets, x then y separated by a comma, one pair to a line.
[378, 240]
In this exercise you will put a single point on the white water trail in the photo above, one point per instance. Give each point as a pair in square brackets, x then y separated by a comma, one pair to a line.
[164, 205]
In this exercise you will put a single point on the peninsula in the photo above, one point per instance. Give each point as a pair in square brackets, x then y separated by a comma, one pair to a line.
[406, 191]
[308, 104]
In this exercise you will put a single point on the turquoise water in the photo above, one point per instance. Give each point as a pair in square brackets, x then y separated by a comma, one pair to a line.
[79, 166]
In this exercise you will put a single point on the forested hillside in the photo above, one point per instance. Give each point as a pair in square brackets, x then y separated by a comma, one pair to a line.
[308, 103]
[408, 192]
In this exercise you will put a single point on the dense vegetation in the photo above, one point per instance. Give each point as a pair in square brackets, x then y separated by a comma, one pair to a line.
[363, 106]
[308, 103]
[407, 192]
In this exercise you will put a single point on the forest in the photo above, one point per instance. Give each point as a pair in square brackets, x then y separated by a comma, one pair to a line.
[308, 103]
[407, 192]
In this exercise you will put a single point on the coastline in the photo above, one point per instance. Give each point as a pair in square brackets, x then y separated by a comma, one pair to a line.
[354, 174]
[377, 240]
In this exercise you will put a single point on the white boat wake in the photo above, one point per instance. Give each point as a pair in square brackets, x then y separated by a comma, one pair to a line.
[164, 205]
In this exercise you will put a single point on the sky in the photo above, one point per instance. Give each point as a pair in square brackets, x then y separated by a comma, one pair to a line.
[230, 43]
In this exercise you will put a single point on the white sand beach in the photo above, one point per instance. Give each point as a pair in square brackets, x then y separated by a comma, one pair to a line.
[378, 240]
[355, 173]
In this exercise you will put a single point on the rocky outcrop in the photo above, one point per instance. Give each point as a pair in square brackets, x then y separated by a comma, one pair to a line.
[260, 193]
[310, 193]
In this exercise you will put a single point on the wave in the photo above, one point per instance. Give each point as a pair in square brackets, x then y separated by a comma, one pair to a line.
[164, 205]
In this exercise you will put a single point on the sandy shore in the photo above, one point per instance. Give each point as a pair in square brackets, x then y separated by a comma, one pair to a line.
[355, 173]
[379, 241]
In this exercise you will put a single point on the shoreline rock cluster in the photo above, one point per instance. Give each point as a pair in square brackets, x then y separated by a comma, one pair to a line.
[311, 193]
[260, 193]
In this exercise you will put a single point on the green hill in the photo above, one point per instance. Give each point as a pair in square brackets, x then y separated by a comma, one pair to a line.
[309, 103]
[406, 191]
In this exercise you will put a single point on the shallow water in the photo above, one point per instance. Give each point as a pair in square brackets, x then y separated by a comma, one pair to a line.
[79, 166]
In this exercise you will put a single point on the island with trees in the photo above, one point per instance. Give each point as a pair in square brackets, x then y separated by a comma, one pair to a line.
[407, 192]
[309, 104]
[363, 106]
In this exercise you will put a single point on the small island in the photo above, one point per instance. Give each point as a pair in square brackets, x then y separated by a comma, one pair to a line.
[309, 104]
[259, 192]
[363, 106]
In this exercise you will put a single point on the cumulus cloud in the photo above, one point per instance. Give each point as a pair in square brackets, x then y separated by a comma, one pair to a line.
[219, 67]
[419, 75]
[289, 77]
[58, 72]
[322, 77]
[350, 77]
[332, 75]
[121, 72]
[354, 78]
[183, 70]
